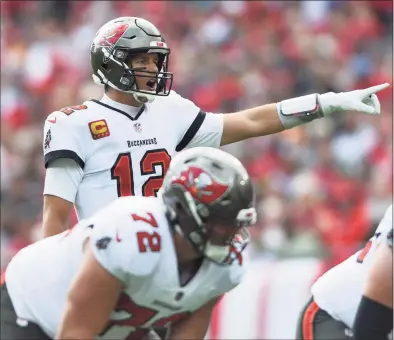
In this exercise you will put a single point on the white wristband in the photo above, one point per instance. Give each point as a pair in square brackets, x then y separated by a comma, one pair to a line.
[300, 110]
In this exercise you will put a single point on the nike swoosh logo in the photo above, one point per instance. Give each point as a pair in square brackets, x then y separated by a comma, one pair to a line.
[53, 121]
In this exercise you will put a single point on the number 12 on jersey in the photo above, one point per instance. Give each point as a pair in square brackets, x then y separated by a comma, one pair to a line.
[122, 172]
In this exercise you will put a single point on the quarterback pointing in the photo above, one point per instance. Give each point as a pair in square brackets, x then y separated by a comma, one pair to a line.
[139, 264]
[122, 145]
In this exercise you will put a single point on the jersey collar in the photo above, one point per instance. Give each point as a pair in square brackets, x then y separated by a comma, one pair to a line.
[131, 111]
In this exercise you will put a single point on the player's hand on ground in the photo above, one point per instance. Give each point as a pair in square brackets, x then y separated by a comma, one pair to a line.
[364, 101]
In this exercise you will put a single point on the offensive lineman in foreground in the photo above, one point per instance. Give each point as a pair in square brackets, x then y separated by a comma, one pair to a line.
[139, 263]
[374, 317]
[336, 295]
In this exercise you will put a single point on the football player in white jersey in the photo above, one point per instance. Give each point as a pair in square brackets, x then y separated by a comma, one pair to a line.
[374, 317]
[140, 262]
[122, 144]
[336, 295]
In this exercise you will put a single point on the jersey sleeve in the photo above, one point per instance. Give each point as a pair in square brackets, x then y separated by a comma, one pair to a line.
[125, 248]
[63, 139]
[197, 128]
[62, 179]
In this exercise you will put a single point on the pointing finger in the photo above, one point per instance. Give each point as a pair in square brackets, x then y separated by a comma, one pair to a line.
[374, 89]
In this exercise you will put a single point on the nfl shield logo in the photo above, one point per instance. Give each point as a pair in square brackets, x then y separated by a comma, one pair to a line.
[137, 127]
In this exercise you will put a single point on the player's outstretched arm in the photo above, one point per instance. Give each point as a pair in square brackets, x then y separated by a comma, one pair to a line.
[196, 325]
[91, 299]
[273, 118]
[374, 317]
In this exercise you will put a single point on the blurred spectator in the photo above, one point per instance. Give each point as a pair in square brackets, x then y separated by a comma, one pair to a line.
[322, 186]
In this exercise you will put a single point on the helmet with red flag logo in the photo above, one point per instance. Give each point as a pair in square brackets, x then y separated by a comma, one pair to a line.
[211, 201]
[114, 46]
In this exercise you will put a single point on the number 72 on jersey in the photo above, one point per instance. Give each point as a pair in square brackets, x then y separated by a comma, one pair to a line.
[122, 172]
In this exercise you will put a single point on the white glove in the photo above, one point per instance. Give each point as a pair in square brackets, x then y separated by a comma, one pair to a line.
[365, 101]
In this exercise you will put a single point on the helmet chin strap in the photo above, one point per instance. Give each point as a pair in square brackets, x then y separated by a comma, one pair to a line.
[143, 97]
[216, 253]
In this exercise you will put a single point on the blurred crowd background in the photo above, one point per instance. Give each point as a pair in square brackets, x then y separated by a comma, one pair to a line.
[323, 187]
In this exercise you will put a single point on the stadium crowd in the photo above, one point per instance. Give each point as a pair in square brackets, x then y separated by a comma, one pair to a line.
[322, 187]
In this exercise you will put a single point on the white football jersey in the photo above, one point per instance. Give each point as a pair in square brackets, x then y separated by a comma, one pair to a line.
[339, 290]
[122, 154]
[132, 240]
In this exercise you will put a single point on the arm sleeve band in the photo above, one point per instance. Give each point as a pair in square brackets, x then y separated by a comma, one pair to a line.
[62, 179]
[373, 320]
[296, 111]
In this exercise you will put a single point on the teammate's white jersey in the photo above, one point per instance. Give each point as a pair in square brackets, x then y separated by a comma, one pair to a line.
[121, 154]
[132, 240]
[339, 291]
